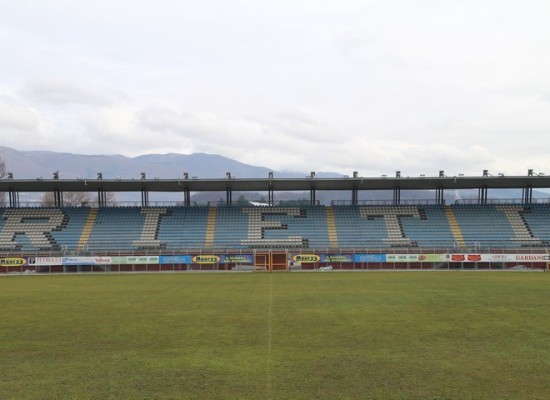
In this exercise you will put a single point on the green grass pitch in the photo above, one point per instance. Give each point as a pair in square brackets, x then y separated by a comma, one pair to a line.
[353, 335]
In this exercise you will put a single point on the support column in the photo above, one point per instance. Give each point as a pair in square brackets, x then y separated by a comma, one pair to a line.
[144, 198]
[186, 197]
[354, 196]
[397, 196]
[482, 195]
[58, 198]
[270, 194]
[439, 196]
[228, 197]
[312, 196]
[13, 198]
[101, 198]
[527, 195]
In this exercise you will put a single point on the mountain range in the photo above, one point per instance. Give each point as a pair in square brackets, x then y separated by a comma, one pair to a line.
[33, 164]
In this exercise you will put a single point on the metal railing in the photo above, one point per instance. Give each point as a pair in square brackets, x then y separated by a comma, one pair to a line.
[237, 248]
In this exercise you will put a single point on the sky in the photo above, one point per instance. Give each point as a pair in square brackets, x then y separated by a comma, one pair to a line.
[342, 86]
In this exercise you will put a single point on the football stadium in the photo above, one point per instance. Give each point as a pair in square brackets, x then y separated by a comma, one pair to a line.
[352, 234]
[357, 299]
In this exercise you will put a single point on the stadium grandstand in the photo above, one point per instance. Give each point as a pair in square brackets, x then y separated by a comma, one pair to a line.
[354, 234]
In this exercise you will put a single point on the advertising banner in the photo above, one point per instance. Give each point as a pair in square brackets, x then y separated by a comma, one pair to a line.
[431, 257]
[175, 259]
[396, 258]
[142, 259]
[102, 260]
[476, 257]
[206, 259]
[366, 258]
[306, 258]
[85, 260]
[12, 262]
[237, 259]
[43, 261]
[530, 257]
[78, 260]
[336, 258]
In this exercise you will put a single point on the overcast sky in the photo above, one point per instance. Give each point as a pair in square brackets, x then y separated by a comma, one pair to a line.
[343, 85]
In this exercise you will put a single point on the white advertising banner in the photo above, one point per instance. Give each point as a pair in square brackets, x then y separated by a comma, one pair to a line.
[78, 260]
[396, 258]
[41, 261]
[86, 260]
[503, 258]
[102, 260]
[142, 260]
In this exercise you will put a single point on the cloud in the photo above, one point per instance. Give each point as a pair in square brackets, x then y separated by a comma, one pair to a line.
[58, 91]
[120, 126]
[242, 138]
[302, 125]
[201, 128]
[354, 86]
[17, 118]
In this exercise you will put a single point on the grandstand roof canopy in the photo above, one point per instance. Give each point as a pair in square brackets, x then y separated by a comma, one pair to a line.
[273, 184]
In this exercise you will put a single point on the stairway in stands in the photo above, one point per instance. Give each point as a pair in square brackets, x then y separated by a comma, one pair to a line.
[522, 232]
[455, 228]
[331, 226]
[210, 228]
[87, 230]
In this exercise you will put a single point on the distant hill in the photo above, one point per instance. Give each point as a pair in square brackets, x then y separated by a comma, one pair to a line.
[32, 164]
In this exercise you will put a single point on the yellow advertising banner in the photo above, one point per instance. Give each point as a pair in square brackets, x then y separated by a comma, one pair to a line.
[206, 259]
[306, 258]
[12, 262]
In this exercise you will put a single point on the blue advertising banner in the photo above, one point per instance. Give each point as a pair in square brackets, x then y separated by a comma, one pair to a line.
[78, 260]
[365, 258]
[175, 259]
[208, 259]
[237, 259]
[336, 258]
